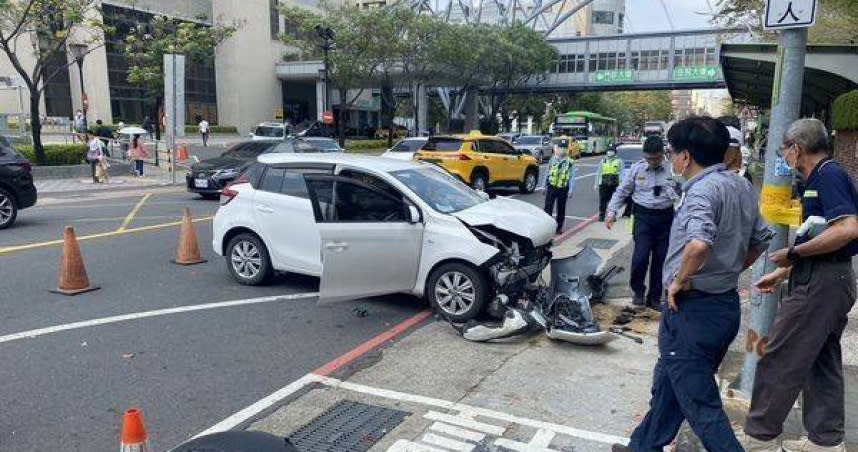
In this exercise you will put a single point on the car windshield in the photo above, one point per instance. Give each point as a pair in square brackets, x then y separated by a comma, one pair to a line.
[6, 147]
[408, 146]
[441, 191]
[269, 132]
[245, 151]
[324, 143]
[630, 154]
[443, 144]
[529, 140]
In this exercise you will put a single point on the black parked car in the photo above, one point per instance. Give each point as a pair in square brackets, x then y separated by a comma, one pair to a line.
[208, 177]
[16, 184]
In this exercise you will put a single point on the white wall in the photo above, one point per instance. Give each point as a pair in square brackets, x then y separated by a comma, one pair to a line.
[248, 90]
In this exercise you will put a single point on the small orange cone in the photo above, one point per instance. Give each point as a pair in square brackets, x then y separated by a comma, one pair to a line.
[73, 279]
[188, 252]
[133, 436]
[181, 153]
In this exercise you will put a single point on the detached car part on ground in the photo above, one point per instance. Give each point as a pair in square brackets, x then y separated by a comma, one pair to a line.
[524, 303]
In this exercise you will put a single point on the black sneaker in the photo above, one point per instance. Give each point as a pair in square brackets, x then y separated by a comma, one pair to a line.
[638, 300]
[620, 448]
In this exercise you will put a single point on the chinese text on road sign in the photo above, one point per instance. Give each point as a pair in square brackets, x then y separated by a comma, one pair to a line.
[790, 13]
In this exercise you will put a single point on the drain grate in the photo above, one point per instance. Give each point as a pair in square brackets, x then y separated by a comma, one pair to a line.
[599, 244]
[347, 426]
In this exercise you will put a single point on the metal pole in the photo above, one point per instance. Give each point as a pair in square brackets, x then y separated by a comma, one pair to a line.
[173, 125]
[83, 102]
[786, 107]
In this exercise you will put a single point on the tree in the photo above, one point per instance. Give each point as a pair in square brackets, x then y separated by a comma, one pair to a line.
[44, 28]
[146, 45]
[835, 22]
[357, 54]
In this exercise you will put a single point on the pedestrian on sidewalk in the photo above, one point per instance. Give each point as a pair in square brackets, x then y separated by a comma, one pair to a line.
[104, 134]
[559, 182]
[204, 132]
[803, 352]
[148, 126]
[653, 192]
[138, 153]
[80, 123]
[607, 179]
[94, 153]
[717, 234]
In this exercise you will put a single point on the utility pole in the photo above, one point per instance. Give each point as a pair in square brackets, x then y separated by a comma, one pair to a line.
[776, 193]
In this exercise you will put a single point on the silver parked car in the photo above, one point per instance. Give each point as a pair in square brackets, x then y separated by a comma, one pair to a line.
[539, 146]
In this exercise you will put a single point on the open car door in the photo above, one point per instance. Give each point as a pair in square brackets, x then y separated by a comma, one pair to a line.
[371, 239]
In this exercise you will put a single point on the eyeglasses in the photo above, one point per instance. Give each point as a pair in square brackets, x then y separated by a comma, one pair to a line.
[786, 146]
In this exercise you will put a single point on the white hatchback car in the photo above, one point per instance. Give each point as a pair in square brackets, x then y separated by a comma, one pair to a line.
[405, 149]
[371, 226]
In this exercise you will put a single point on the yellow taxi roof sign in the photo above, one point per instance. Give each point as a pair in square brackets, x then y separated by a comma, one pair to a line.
[475, 133]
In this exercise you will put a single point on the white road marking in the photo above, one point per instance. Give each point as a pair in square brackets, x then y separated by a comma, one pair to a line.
[446, 443]
[539, 443]
[465, 422]
[146, 314]
[457, 432]
[403, 445]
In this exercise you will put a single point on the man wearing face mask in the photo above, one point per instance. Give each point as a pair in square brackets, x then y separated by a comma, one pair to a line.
[716, 234]
[607, 179]
[653, 192]
[803, 352]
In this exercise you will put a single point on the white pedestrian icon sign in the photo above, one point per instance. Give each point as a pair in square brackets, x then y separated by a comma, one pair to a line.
[790, 13]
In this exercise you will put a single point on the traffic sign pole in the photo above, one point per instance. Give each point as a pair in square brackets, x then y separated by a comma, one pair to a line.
[777, 190]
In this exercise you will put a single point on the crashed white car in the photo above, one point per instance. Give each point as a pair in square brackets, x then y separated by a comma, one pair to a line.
[372, 226]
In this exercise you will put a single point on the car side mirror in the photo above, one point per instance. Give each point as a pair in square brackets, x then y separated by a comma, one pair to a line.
[413, 215]
[250, 135]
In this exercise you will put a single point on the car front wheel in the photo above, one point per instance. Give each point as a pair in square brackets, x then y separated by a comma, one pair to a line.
[248, 260]
[528, 185]
[457, 291]
[8, 209]
[480, 181]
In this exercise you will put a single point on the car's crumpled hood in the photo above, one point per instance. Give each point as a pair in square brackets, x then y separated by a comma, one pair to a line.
[517, 217]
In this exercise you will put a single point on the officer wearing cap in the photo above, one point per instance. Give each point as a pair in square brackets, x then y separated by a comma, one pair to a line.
[653, 192]
[717, 233]
[607, 179]
[803, 352]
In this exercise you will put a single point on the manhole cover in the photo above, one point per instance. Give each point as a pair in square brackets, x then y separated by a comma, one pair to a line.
[599, 244]
[347, 426]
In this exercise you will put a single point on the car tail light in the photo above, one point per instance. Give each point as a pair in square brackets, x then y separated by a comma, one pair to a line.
[27, 167]
[227, 194]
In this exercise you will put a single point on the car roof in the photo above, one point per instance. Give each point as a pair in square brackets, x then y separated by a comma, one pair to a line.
[271, 124]
[630, 146]
[473, 135]
[416, 139]
[373, 163]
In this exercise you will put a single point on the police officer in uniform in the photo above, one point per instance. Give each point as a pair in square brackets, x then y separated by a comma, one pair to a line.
[559, 182]
[607, 179]
[653, 192]
[803, 353]
[717, 233]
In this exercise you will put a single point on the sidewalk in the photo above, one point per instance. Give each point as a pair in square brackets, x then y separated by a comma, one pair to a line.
[154, 176]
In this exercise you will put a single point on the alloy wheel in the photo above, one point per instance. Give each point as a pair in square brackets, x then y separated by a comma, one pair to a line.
[530, 181]
[7, 210]
[246, 259]
[455, 292]
[479, 183]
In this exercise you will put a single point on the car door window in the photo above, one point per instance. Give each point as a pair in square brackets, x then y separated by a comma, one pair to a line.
[284, 147]
[358, 203]
[321, 189]
[504, 148]
[294, 184]
[272, 180]
[372, 181]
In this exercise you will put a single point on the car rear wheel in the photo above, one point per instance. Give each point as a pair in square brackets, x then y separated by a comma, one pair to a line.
[248, 260]
[8, 209]
[528, 185]
[457, 291]
[480, 180]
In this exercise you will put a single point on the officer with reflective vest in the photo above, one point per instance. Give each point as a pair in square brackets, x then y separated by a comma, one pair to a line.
[559, 182]
[607, 180]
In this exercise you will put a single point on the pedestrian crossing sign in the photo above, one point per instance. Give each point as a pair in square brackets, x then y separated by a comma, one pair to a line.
[790, 13]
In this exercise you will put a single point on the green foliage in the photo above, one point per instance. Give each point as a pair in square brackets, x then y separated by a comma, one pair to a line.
[835, 22]
[145, 47]
[57, 154]
[845, 112]
[355, 145]
[212, 129]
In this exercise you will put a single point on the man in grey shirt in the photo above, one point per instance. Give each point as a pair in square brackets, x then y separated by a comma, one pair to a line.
[653, 192]
[716, 234]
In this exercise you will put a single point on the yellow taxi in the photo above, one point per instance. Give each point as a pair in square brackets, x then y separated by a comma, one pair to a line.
[573, 148]
[481, 160]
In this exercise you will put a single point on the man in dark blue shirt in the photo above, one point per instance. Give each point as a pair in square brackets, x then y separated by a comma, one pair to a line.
[803, 353]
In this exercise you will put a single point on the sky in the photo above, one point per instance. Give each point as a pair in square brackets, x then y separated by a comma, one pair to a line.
[649, 15]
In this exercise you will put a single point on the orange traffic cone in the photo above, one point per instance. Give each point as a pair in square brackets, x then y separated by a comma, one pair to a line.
[188, 252]
[133, 436]
[73, 279]
[181, 153]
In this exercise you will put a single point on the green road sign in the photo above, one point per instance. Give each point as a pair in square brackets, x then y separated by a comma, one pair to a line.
[696, 73]
[615, 76]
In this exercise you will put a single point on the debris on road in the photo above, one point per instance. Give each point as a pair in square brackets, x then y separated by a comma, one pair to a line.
[360, 311]
[127, 355]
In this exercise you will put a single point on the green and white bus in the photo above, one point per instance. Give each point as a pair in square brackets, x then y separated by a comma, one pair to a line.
[594, 132]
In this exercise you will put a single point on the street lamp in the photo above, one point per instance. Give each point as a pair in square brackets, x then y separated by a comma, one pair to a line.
[327, 37]
[78, 52]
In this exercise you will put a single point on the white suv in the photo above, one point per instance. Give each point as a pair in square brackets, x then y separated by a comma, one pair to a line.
[371, 226]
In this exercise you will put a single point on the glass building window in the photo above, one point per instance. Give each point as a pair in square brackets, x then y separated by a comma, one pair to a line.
[603, 17]
[274, 17]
